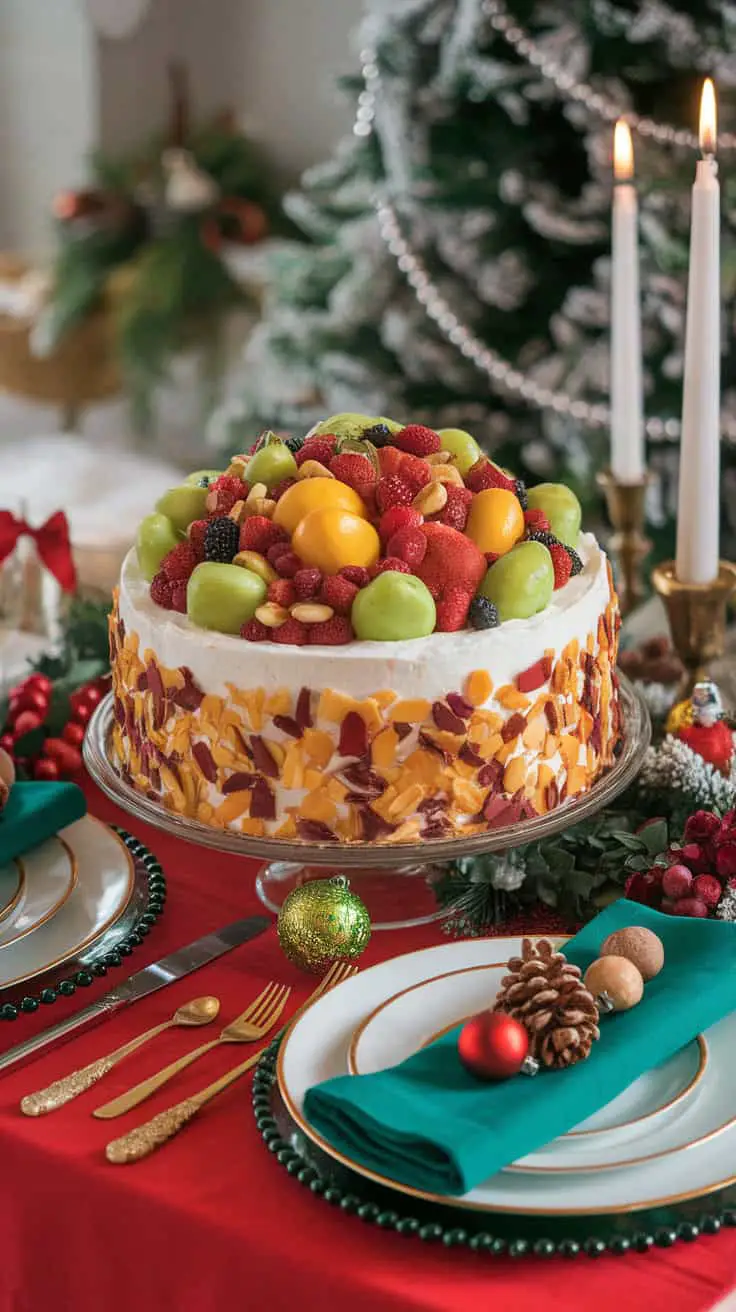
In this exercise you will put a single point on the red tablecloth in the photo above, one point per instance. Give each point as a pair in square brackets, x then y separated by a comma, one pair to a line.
[211, 1222]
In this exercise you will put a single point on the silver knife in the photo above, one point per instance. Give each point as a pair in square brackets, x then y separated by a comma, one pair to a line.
[156, 976]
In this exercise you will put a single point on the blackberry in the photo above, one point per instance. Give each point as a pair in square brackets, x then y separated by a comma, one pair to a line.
[221, 539]
[295, 444]
[520, 490]
[483, 614]
[380, 435]
[206, 480]
[546, 539]
[577, 564]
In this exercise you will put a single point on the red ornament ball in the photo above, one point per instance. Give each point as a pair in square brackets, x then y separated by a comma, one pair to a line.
[81, 712]
[492, 1045]
[90, 695]
[26, 722]
[29, 699]
[73, 733]
[7, 744]
[45, 769]
[67, 757]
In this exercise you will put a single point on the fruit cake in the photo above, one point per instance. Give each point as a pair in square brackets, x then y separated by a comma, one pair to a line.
[371, 633]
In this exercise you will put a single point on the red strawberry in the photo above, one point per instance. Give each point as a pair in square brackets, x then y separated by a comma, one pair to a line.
[161, 589]
[391, 565]
[451, 559]
[417, 473]
[457, 507]
[398, 517]
[224, 492]
[408, 544]
[195, 535]
[257, 533]
[331, 633]
[485, 474]
[282, 592]
[179, 562]
[179, 598]
[307, 583]
[452, 609]
[393, 491]
[317, 448]
[293, 633]
[288, 564]
[254, 631]
[536, 521]
[353, 469]
[356, 574]
[339, 593]
[280, 488]
[390, 459]
[562, 562]
[418, 441]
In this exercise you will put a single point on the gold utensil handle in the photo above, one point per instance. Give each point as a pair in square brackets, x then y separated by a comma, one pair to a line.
[144, 1139]
[70, 1086]
[132, 1097]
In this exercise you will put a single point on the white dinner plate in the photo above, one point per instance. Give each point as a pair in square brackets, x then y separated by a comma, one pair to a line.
[316, 1049]
[104, 887]
[617, 1135]
[45, 887]
[11, 889]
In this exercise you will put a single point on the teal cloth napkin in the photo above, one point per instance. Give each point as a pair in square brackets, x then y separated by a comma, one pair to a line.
[432, 1125]
[35, 811]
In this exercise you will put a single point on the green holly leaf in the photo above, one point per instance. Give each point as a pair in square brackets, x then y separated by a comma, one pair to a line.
[654, 836]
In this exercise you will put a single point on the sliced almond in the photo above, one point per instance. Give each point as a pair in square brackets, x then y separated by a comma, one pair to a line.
[314, 469]
[259, 506]
[237, 513]
[311, 612]
[430, 499]
[237, 467]
[257, 564]
[447, 474]
[271, 615]
[257, 490]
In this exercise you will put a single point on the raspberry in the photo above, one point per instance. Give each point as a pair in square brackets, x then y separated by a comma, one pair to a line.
[257, 533]
[179, 598]
[396, 518]
[221, 540]
[179, 562]
[408, 544]
[356, 574]
[293, 633]
[391, 564]
[254, 631]
[317, 448]
[275, 552]
[536, 521]
[483, 614]
[418, 441]
[224, 492]
[195, 535]
[288, 564]
[307, 583]
[485, 474]
[161, 590]
[280, 488]
[562, 564]
[452, 609]
[353, 469]
[393, 491]
[331, 633]
[282, 592]
[390, 459]
[339, 593]
[457, 507]
[417, 473]
[451, 559]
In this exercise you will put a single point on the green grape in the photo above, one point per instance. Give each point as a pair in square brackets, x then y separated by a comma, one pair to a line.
[223, 597]
[393, 607]
[183, 504]
[561, 507]
[463, 448]
[155, 538]
[520, 584]
[271, 464]
[203, 477]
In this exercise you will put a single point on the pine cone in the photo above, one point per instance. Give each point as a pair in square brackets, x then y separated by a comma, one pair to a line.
[546, 994]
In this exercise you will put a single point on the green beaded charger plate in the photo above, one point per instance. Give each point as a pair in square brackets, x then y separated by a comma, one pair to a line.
[514, 1235]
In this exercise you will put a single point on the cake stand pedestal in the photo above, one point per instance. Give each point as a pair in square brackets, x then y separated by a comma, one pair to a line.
[395, 881]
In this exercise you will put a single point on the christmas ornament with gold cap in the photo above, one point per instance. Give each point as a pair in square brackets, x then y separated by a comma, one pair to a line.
[323, 921]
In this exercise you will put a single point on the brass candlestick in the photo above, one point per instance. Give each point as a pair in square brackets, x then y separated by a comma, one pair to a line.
[629, 545]
[697, 616]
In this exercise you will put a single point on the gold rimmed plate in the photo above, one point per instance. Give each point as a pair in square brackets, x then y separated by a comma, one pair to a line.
[100, 896]
[12, 882]
[45, 887]
[316, 1049]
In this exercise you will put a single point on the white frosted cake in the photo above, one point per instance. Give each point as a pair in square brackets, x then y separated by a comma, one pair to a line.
[385, 669]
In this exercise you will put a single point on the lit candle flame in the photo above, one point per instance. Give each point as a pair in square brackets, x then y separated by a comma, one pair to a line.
[623, 152]
[708, 118]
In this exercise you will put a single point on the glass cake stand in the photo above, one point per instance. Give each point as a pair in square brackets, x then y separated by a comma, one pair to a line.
[395, 881]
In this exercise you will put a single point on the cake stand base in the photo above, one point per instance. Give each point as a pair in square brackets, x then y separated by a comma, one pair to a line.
[392, 903]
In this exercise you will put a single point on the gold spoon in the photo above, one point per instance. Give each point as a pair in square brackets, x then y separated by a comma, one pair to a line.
[200, 1011]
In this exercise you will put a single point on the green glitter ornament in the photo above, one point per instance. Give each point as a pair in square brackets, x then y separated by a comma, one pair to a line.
[323, 921]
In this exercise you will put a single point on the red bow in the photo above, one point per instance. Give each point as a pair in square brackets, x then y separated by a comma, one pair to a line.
[52, 543]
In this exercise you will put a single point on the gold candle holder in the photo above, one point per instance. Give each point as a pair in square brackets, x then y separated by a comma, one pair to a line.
[628, 543]
[697, 618]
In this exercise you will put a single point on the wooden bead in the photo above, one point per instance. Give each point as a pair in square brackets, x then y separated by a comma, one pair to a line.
[616, 979]
[638, 945]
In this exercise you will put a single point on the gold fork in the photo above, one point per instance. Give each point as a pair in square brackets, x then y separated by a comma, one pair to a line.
[144, 1139]
[251, 1025]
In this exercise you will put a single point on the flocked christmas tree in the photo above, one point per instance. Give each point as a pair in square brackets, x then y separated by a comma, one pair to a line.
[465, 227]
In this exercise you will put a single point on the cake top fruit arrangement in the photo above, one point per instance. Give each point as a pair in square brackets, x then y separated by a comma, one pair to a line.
[364, 530]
